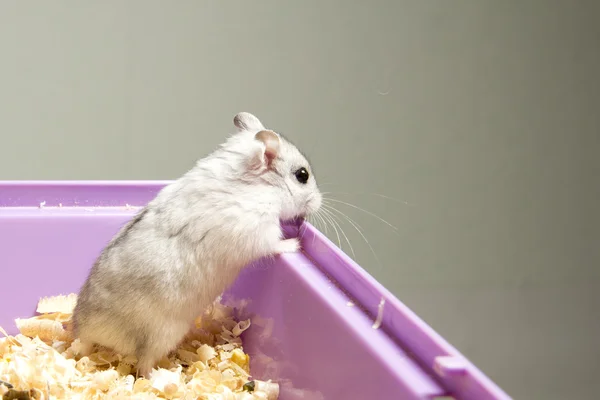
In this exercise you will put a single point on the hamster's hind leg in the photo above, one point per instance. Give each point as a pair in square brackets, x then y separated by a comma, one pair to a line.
[156, 345]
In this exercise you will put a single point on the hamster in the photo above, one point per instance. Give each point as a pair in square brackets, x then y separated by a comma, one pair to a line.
[182, 250]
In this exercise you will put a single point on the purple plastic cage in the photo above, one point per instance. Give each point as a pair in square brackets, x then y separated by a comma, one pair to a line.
[313, 311]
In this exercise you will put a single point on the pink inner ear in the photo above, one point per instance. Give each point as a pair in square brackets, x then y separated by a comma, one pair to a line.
[271, 142]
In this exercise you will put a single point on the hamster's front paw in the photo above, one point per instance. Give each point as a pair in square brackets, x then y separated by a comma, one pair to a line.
[288, 246]
[84, 349]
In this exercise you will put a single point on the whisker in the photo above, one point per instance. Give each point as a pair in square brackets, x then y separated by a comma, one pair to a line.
[363, 193]
[313, 219]
[335, 220]
[373, 194]
[332, 208]
[301, 232]
[358, 229]
[363, 210]
[304, 227]
[390, 198]
[326, 223]
[328, 218]
[316, 225]
[320, 215]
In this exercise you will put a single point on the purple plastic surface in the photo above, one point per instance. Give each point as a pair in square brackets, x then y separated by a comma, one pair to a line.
[304, 334]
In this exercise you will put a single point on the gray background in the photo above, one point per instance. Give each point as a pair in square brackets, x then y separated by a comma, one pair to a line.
[481, 118]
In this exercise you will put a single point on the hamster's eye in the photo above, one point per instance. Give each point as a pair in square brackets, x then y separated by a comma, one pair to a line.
[302, 175]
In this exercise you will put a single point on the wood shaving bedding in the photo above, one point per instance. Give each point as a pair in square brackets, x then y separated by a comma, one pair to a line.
[44, 362]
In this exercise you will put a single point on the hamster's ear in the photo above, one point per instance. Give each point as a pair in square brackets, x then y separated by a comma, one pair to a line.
[271, 141]
[247, 122]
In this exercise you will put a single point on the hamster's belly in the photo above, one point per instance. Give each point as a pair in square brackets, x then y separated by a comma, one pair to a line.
[205, 285]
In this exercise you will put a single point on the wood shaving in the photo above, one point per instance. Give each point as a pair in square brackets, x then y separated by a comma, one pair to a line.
[44, 362]
[62, 304]
[379, 319]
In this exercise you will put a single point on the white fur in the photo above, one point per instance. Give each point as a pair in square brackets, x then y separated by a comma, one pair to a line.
[158, 274]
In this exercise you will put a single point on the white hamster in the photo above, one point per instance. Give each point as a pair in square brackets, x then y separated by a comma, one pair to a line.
[176, 256]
